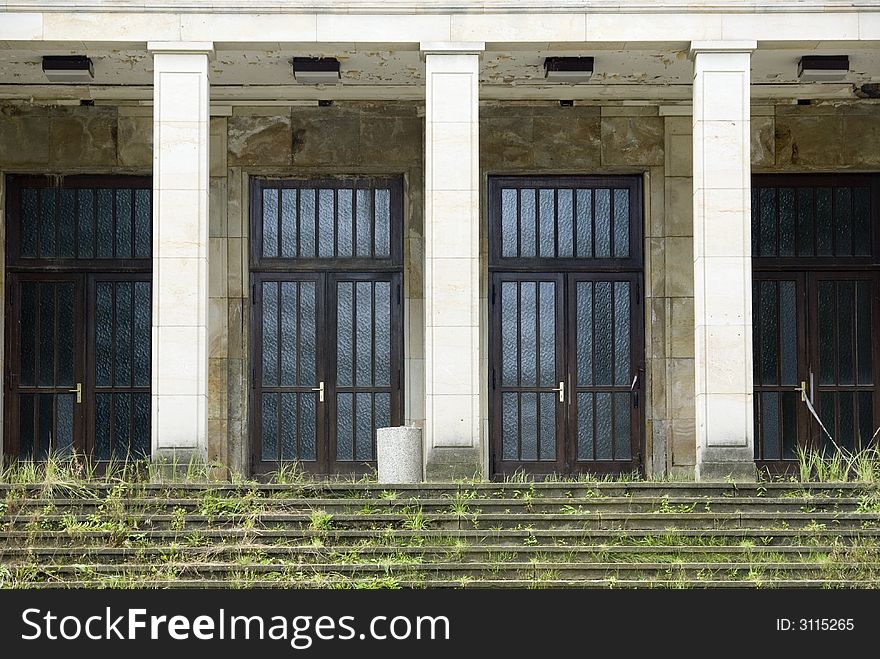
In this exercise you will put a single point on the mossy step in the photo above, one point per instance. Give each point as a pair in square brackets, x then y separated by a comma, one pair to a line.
[446, 583]
[561, 489]
[417, 519]
[233, 505]
[430, 553]
[455, 570]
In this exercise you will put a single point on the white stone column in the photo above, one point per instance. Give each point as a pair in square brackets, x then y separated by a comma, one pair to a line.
[180, 250]
[452, 260]
[722, 261]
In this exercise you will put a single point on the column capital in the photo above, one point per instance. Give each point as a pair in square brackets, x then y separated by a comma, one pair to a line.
[743, 46]
[181, 47]
[452, 47]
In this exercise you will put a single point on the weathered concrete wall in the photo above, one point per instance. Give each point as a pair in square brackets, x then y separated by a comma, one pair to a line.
[387, 138]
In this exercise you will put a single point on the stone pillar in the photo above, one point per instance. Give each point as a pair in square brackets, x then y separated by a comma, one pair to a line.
[722, 261]
[452, 261]
[180, 250]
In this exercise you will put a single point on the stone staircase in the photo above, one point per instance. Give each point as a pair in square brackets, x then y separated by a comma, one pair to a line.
[364, 535]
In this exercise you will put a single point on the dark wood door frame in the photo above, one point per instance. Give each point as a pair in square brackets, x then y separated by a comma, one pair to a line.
[569, 270]
[84, 271]
[326, 272]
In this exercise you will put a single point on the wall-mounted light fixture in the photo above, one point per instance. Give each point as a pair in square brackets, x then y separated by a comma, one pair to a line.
[822, 68]
[68, 68]
[571, 70]
[316, 70]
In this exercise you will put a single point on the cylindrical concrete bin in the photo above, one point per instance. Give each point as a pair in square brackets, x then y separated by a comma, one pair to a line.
[399, 454]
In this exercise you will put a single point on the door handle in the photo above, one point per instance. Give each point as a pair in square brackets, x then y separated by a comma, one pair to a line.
[320, 390]
[78, 391]
[561, 390]
[634, 391]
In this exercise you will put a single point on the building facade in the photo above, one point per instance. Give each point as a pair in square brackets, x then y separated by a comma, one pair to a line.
[652, 270]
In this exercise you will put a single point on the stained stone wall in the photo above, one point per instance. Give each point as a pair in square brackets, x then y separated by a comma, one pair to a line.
[387, 138]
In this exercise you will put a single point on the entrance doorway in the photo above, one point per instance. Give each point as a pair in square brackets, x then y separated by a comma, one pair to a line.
[816, 299]
[326, 320]
[566, 328]
[78, 317]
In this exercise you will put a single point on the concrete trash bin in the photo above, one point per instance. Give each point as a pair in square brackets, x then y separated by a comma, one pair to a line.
[399, 454]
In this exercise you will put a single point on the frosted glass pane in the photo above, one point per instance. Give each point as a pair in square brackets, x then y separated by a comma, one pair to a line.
[29, 222]
[603, 426]
[344, 426]
[509, 426]
[47, 334]
[87, 224]
[846, 421]
[528, 331]
[383, 223]
[843, 221]
[47, 222]
[288, 426]
[770, 417]
[788, 331]
[383, 410]
[767, 241]
[621, 223]
[602, 333]
[142, 334]
[622, 429]
[862, 221]
[307, 223]
[26, 426]
[585, 426]
[805, 222]
[584, 332]
[67, 224]
[845, 294]
[289, 340]
[527, 223]
[29, 294]
[864, 332]
[622, 374]
[141, 426]
[308, 355]
[121, 421]
[786, 222]
[103, 332]
[66, 339]
[508, 223]
[769, 333]
[824, 226]
[326, 222]
[509, 325]
[64, 425]
[123, 224]
[364, 333]
[46, 426]
[269, 434]
[270, 333]
[344, 333]
[143, 221]
[584, 201]
[547, 223]
[602, 223]
[270, 222]
[827, 311]
[383, 333]
[344, 218]
[790, 401]
[123, 334]
[547, 319]
[288, 223]
[548, 426]
[565, 223]
[529, 425]
[102, 426]
[364, 222]
[364, 426]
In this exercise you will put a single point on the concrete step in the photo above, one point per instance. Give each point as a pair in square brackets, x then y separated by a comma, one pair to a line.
[417, 519]
[230, 506]
[404, 537]
[430, 553]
